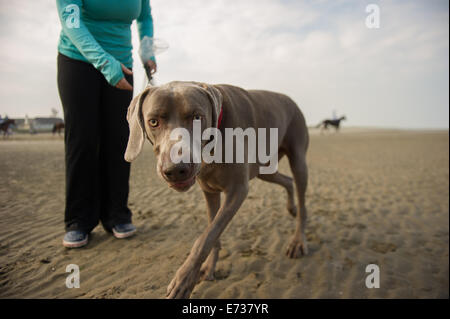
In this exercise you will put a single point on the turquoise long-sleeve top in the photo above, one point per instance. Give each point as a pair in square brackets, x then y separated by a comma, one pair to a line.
[99, 32]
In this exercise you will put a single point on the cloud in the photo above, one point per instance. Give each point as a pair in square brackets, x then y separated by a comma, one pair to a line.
[29, 36]
[320, 53]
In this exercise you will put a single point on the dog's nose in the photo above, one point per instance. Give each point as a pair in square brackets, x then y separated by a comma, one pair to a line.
[178, 172]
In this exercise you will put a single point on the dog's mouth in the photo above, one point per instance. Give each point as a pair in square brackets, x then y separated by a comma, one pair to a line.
[183, 185]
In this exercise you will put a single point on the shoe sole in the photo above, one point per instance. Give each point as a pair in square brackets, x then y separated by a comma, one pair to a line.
[78, 244]
[124, 235]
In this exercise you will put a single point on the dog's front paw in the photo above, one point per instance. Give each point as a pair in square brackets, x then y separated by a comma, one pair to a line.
[297, 248]
[183, 283]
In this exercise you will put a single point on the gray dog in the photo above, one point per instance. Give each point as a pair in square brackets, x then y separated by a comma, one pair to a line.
[158, 110]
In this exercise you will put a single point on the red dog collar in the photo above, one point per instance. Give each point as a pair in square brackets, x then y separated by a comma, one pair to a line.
[220, 117]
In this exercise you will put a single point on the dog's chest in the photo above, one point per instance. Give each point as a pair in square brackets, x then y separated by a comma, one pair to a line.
[209, 178]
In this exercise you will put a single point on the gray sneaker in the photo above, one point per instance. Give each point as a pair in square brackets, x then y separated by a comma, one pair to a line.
[75, 239]
[124, 230]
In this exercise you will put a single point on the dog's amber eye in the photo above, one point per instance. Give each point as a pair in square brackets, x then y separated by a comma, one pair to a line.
[197, 117]
[153, 123]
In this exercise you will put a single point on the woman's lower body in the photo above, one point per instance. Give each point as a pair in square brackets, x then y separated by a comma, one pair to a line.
[96, 135]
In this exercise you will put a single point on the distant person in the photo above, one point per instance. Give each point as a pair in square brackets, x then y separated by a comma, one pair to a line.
[334, 115]
[95, 85]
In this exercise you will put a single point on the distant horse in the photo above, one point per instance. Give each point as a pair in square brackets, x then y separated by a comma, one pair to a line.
[57, 128]
[336, 123]
[4, 126]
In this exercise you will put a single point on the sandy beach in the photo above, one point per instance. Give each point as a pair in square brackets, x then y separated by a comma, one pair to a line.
[374, 197]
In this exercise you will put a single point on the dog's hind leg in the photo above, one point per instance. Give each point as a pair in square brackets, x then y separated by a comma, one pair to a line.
[209, 265]
[287, 183]
[298, 245]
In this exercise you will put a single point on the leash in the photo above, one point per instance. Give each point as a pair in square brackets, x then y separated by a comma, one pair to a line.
[149, 76]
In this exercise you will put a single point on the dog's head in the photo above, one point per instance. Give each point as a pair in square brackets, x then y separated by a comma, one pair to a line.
[158, 111]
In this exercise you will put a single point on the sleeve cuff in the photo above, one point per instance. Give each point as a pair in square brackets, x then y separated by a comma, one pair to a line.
[112, 71]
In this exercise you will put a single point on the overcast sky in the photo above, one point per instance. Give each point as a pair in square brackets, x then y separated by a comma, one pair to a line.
[318, 52]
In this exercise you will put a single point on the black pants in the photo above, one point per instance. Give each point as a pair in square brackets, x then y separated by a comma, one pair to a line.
[96, 135]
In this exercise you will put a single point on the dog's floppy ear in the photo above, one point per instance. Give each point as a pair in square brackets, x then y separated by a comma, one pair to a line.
[136, 123]
[216, 99]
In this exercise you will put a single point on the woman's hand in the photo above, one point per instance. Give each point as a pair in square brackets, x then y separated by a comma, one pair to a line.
[123, 84]
[151, 66]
